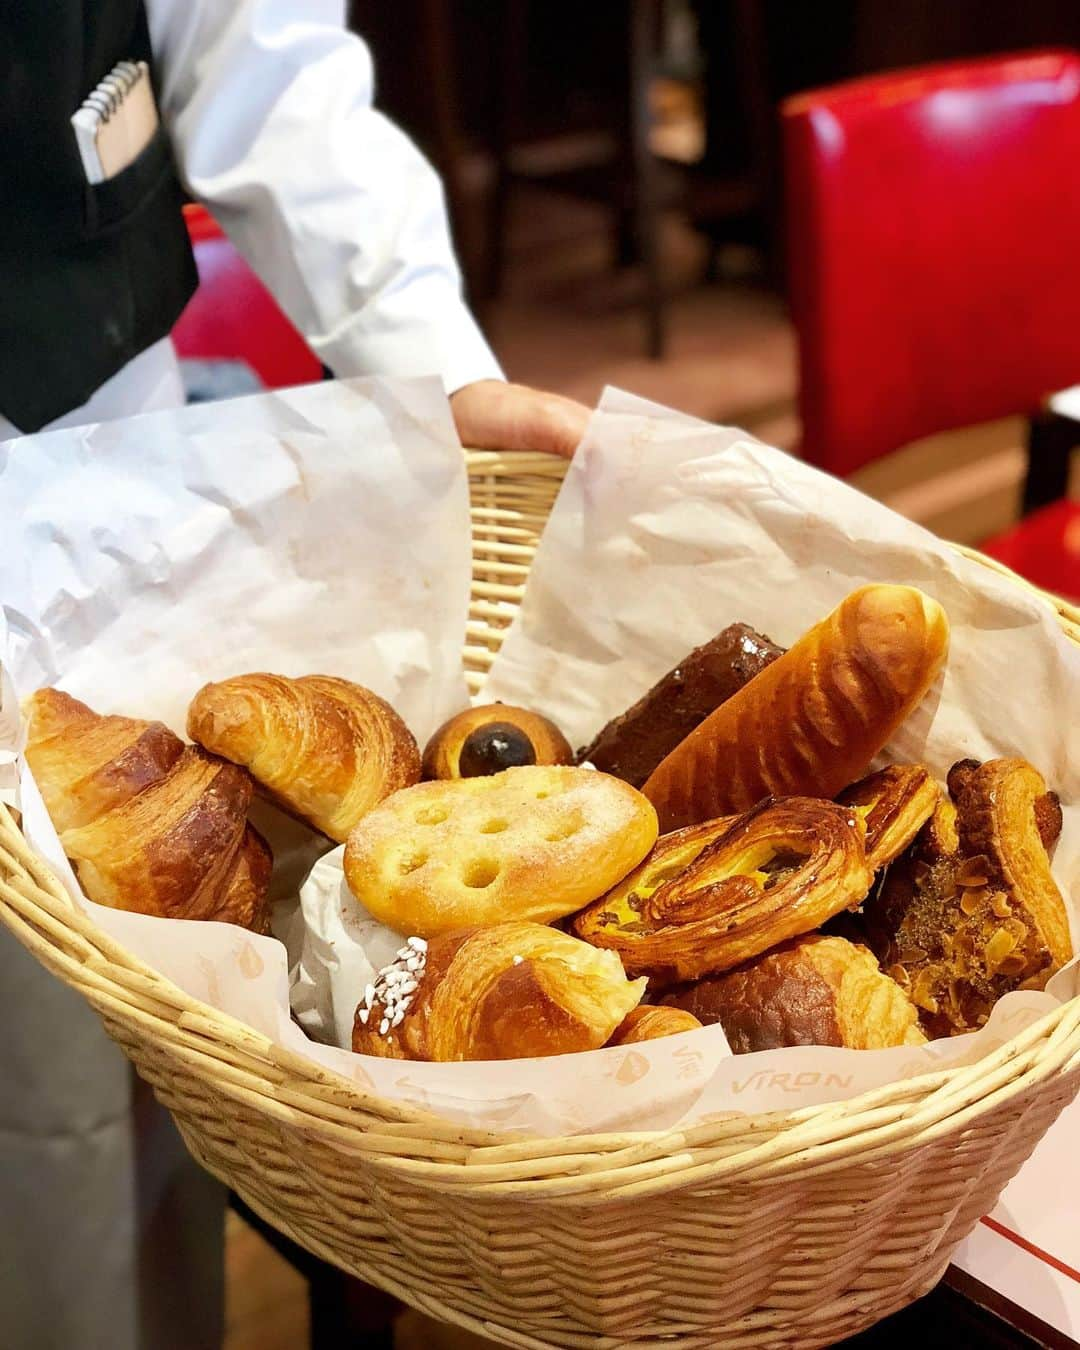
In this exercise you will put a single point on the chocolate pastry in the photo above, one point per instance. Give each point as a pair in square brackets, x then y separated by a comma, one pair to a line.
[634, 743]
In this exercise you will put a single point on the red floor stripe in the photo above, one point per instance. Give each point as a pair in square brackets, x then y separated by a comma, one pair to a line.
[1030, 1247]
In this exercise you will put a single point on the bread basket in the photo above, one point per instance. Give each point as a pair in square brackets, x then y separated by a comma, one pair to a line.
[785, 1230]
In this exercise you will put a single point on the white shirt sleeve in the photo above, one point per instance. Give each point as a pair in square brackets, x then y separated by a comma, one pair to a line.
[269, 105]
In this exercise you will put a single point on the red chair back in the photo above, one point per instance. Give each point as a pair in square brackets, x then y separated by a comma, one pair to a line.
[232, 316]
[934, 249]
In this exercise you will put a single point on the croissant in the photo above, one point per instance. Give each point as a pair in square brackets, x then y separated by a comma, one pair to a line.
[647, 1022]
[896, 803]
[324, 749]
[813, 719]
[813, 991]
[960, 928]
[515, 990]
[148, 823]
[779, 870]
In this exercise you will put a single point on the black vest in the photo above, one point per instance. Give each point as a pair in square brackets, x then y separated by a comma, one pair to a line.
[89, 276]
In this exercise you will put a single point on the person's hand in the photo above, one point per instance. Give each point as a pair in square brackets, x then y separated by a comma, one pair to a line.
[492, 415]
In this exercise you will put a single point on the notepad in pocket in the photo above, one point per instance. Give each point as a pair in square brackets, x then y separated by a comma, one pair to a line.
[116, 121]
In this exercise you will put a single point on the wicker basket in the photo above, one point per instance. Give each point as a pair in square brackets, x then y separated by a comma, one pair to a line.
[774, 1230]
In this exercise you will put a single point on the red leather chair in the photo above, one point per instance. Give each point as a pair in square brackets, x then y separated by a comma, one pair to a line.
[934, 262]
[232, 316]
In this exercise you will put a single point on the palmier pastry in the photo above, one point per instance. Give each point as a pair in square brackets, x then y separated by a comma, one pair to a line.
[896, 803]
[324, 749]
[148, 823]
[535, 843]
[779, 870]
[513, 991]
[489, 739]
[960, 929]
[811, 722]
[812, 991]
[634, 743]
[647, 1022]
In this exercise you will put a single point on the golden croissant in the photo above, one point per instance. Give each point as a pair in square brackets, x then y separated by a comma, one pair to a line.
[648, 1022]
[324, 749]
[690, 910]
[513, 991]
[148, 823]
[972, 911]
[813, 719]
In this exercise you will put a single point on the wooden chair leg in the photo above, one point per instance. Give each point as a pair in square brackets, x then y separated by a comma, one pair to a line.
[1051, 441]
[643, 16]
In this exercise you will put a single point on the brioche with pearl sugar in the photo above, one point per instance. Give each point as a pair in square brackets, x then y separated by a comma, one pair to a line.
[511, 991]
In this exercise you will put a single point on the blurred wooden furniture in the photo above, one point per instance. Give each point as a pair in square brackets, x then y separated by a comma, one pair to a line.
[932, 220]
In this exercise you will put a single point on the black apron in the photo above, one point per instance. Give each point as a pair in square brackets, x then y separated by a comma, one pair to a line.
[90, 276]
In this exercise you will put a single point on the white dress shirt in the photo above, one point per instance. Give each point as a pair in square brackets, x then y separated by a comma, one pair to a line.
[269, 107]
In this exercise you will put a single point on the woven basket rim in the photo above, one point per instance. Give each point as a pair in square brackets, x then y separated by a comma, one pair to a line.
[419, 1145]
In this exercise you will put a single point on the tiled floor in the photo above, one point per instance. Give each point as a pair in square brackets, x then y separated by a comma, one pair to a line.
[568, 322]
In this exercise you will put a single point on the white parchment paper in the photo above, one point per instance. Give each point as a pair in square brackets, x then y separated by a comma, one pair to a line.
[327, 529]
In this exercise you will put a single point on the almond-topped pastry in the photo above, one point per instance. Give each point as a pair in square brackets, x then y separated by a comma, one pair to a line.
[537, 842]
[512, 991]
[812, 991]
[696, 907]
[324, 749]
[958, 929]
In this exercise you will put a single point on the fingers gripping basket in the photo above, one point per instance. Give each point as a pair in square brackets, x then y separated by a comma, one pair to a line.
[788, 1230]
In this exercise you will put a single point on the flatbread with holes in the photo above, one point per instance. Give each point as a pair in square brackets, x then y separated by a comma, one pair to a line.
[535, 843]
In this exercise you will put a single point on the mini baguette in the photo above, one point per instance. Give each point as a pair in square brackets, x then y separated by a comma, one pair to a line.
[811, 722]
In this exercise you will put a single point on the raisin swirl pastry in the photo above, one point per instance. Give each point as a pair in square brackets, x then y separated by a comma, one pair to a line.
[696, 907]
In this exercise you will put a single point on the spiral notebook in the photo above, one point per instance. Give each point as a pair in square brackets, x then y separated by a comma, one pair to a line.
[116, 121]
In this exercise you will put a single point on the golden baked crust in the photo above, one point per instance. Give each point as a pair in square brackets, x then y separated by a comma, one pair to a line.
[324, 749]
[647, 1022]
[812, 991]
[779, 870]
[811, 722]
[148, 823]
[539, 741]
[513, 991]
[960, 929]
[537, 843]
[896, 804]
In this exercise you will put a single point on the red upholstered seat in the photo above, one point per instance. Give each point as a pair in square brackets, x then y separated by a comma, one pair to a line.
[1045, 548]
[232, 316]
[934, 257]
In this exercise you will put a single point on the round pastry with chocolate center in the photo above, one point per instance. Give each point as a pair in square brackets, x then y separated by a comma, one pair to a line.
[497, 736]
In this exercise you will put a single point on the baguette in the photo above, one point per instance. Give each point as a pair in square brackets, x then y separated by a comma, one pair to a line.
[811, 722]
